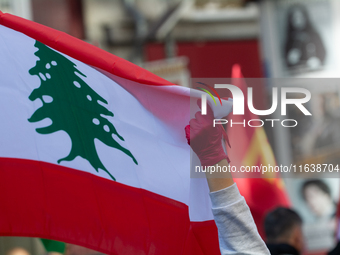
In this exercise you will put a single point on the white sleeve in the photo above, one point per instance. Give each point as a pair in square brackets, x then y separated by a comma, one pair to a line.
[236, 228]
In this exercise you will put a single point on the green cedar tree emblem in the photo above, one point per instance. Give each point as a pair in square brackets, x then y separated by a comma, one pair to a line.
[73, 107]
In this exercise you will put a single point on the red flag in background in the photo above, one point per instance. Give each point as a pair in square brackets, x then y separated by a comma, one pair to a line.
[250, 147]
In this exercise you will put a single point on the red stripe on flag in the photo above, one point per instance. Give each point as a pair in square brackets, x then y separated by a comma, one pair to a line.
[50, 201]
[80, 50]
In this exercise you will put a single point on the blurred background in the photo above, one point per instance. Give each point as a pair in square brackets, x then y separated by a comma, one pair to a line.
[183, 39]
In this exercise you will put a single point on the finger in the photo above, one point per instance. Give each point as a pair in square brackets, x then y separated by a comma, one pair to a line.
[199, 116]
[203, 118]
[195, 127]
[193, 124]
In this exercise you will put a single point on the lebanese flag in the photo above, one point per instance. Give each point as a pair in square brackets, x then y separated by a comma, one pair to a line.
[93, 149]
[250, 147]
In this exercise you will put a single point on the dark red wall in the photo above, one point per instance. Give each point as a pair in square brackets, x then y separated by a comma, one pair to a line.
[214, 59]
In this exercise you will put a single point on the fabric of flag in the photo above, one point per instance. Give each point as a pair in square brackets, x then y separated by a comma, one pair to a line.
[93, 149]
[250, 147]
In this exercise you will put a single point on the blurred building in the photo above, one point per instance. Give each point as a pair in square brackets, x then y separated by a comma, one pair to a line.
[213, 34]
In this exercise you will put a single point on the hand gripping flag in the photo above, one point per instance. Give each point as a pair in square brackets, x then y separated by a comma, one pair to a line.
[93, 149]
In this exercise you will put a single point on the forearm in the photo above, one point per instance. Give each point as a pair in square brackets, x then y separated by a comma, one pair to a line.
[236, 228]
[218, 181]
